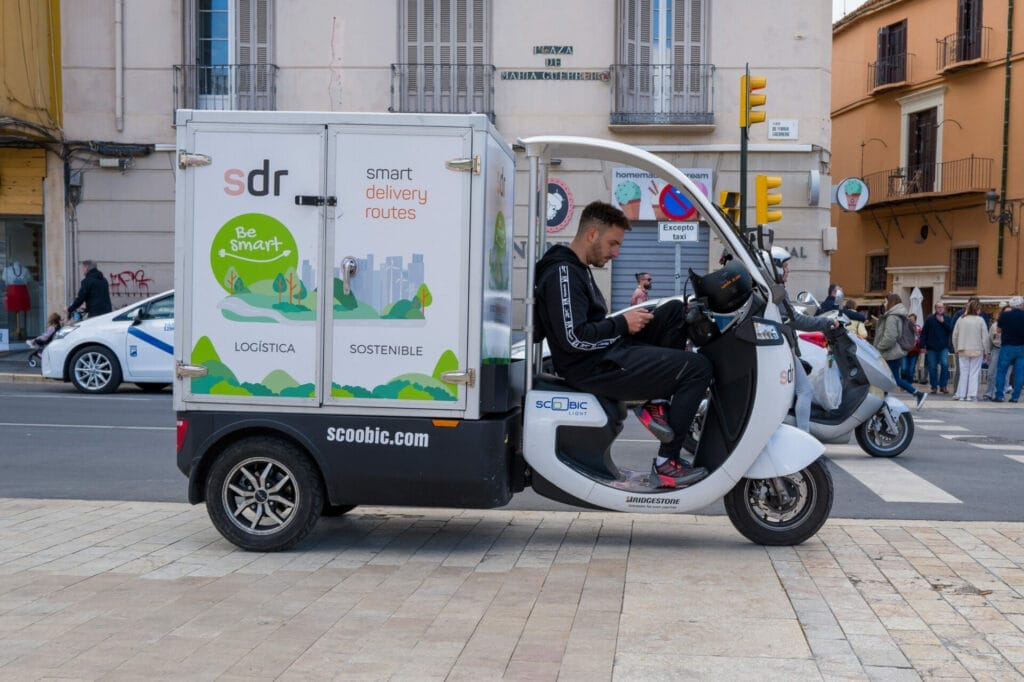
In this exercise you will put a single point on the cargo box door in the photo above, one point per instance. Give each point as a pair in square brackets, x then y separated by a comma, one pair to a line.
[253, 246]
[399, 250]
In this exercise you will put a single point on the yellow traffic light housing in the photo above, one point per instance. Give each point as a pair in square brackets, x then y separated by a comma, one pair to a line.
[750, 99]
[730, 203]
[763, 198]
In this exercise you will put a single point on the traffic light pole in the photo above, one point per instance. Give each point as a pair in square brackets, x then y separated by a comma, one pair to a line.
[743, 157]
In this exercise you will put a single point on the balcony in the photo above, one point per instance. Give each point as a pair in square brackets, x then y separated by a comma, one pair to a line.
[443, 88]
[961, 50]
[242, 87]
[971, 174]
[892, 72]
[663, 94]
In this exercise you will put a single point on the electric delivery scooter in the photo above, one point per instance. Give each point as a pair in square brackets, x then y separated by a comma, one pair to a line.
[776, 489]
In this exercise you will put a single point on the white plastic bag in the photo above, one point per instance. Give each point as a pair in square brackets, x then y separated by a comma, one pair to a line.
[828, 387]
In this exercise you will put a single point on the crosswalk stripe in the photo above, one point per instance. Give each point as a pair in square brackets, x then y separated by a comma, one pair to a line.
[917, 420]
[940, 427]
[988, 446]
[961, 436]
[1019, 458]
[886, 478]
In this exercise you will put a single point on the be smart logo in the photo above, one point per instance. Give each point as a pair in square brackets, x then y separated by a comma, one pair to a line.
[252, 248]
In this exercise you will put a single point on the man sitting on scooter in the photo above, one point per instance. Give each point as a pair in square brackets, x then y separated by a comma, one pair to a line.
[631, 357]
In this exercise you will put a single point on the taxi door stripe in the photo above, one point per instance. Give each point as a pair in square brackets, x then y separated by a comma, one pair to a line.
[151, 340]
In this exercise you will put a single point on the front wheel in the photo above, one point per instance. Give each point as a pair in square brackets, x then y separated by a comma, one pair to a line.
[877, 440]
[95, 369]
[263, 494]
[782, 511]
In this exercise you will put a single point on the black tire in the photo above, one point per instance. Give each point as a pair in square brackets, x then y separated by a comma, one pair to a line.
[148, 387]
[263, 494]
[756, 511]
[95, 369]
[331, 510]
[874, 439]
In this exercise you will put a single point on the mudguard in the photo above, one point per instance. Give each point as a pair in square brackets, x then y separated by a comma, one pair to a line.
[788, 451]
[896, 406]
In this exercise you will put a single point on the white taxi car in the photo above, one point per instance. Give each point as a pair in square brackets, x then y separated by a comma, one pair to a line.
[135, 343]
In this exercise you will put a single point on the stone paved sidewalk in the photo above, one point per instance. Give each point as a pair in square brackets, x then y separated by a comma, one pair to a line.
[115, 590]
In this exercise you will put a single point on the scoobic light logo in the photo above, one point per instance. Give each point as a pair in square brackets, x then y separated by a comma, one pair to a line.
[563, 404]
[251, 248]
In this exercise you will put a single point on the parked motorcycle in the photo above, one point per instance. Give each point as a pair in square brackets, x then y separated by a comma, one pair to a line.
[882, 424]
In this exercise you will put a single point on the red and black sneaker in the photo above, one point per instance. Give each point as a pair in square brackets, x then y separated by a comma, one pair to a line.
[654, 416]
[673, 473]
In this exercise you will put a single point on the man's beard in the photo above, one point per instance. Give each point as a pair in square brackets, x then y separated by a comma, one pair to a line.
[647, 285]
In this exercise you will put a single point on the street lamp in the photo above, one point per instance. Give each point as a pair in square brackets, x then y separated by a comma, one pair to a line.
[1004, 217]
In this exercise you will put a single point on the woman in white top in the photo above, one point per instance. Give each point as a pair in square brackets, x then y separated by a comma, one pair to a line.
[970, 342]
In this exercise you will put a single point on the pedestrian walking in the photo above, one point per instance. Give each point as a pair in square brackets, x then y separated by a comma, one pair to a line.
[94, 292]
[887, 336]
[970, 343]
[935, 338]
[996, 336]
[1012, 353]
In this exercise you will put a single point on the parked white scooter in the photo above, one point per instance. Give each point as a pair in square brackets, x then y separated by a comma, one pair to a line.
[776, 489]
[882, 424]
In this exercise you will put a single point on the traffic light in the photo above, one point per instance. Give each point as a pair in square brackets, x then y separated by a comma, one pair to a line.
[750, 99]
[730, 203]
[762, 198]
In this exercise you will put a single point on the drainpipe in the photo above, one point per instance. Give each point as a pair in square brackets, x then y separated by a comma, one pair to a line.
[119, 64]
[1006, 134]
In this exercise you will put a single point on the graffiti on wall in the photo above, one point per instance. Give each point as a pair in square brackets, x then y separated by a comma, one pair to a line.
[130, 284]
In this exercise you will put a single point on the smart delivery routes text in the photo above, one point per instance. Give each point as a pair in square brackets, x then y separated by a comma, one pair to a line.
[369, 435]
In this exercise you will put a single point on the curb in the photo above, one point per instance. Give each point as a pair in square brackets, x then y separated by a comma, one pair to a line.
[21, 377]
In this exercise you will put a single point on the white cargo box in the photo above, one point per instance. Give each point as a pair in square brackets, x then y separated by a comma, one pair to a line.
[351, 263]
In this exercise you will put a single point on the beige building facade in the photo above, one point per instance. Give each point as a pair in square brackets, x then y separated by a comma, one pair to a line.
[660, 74]
[927, 115]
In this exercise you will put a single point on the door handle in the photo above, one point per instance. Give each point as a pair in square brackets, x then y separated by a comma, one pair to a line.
[348, 270]
[182, 370]
[467, 377]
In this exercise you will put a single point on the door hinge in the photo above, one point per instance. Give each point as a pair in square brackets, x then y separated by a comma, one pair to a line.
[315, 200]
[182, 371]
[472, 165]
[193, 160]
[467, 377]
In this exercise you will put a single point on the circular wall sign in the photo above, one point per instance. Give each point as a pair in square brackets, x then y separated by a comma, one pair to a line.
[559, 205]
[852, 194]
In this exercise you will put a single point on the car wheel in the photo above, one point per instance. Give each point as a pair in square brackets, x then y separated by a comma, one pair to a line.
[264, 494]
[95, 369]
[151, 387]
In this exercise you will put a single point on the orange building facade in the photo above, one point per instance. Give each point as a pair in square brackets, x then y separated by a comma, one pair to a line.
[928, 124]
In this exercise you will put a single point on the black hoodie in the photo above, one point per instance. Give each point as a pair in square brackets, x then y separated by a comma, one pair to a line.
[572, 314]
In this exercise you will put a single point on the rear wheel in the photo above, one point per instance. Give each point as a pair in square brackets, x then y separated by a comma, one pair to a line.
[877, 440]
[782, 511]
[263, 494]
[95, 369]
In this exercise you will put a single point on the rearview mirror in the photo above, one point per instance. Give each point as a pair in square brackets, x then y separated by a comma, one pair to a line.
[803, 297]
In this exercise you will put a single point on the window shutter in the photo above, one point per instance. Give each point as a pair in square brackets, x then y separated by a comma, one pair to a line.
[253, 50]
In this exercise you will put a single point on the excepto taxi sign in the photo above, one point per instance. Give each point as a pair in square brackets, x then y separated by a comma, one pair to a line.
[688, 231]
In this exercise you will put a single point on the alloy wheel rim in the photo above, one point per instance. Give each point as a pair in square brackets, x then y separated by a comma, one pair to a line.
[93, 370]
[260, 496]
[769, 514]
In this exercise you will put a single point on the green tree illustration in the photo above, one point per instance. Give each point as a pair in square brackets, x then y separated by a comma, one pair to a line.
[302, 293]
[238, 286]
[230, 279]
[423, 297]
[293, 283]
[280, 286]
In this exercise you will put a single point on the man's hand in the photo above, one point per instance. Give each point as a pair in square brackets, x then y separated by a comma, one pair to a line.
[637, 319]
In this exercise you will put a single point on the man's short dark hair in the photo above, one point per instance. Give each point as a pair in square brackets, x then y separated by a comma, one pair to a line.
[832, 289]
[639, 276]
[88, 264]
[602, 215]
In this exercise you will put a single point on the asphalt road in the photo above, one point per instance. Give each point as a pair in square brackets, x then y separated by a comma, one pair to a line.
[965, 464]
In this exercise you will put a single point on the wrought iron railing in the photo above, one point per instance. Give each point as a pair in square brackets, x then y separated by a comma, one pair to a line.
[245, 87]
[957, 48]
[971, 174]
[443, 88]
[663, 94]
[891, 70]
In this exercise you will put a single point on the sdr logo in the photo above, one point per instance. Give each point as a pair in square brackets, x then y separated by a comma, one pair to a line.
[561, 404]
[257, 181]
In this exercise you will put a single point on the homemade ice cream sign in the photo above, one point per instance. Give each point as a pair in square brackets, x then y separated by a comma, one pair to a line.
[852, 194]
[641, 196]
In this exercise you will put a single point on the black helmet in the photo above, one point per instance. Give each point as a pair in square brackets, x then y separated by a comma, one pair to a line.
[726, 289]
